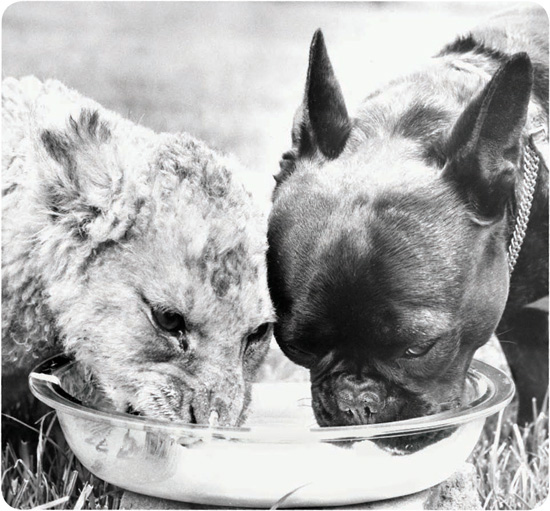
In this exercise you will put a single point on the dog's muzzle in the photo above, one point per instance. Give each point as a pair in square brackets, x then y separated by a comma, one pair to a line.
[345, 400]
[360, 400]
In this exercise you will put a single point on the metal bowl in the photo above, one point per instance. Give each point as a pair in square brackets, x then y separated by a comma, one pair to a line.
[281, 457]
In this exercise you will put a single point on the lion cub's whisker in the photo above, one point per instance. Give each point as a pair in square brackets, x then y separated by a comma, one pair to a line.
[213, 419]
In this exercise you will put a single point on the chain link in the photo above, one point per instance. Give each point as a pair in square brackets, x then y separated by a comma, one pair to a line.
[531, 162]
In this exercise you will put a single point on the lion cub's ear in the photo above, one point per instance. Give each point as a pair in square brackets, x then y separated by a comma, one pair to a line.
[82, 180]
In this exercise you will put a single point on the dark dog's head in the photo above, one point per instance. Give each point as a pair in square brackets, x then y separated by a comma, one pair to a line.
[388, 238]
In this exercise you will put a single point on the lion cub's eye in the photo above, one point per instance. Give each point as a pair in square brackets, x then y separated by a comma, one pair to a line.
[171, 322]
[259, 333]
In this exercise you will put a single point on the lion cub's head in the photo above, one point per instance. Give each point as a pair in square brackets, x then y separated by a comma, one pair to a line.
[155, 272]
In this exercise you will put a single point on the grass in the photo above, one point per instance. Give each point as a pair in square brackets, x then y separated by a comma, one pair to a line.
[511, 462]
[40, 471]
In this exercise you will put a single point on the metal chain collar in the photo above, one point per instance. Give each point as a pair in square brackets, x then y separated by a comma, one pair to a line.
[531, 162]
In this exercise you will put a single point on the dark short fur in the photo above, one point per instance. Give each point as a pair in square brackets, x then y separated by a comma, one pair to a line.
[389, 232]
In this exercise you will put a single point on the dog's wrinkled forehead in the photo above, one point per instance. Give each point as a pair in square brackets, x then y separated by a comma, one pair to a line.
[409, 245]
[393, 228]
[378, 162]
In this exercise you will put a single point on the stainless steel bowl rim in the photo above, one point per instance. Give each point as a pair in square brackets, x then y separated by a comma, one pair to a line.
[499, 390]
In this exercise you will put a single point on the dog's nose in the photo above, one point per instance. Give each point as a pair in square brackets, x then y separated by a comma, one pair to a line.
[362, 409]
[359, 400]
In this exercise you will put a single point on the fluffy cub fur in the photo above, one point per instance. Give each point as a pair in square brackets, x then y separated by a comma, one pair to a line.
[136, 253]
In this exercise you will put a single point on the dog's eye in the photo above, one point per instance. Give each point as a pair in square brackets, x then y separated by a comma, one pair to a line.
[171, 322]
[294, 350]
[259, 333]
[417, 351]
[298, 355]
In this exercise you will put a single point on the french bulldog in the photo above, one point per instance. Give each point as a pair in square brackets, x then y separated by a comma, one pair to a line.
[389, 237]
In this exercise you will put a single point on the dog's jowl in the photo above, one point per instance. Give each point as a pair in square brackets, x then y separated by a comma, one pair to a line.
[137, 253]
[389, 240]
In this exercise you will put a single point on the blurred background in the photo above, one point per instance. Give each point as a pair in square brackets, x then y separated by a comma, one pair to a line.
[230, 73]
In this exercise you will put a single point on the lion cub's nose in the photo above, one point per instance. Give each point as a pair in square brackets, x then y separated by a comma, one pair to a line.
[213, 409]
[359, 400]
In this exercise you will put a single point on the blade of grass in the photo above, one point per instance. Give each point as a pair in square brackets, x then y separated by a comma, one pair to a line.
[51, 504]
[84, 494]
[35, 430]
[19, 497]
[524, 462]
[69, 486]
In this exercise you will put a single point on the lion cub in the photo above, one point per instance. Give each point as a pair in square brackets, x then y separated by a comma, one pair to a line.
[136, 253]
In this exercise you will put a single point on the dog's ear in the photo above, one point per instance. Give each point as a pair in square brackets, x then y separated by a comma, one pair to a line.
[321, 121]
[484, 150]
[81, 180]
[324, 109]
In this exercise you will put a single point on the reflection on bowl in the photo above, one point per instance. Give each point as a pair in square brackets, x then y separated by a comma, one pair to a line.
[281, 452]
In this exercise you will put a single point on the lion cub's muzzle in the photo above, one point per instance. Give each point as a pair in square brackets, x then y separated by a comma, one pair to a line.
[203, 399]
[218, 405]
